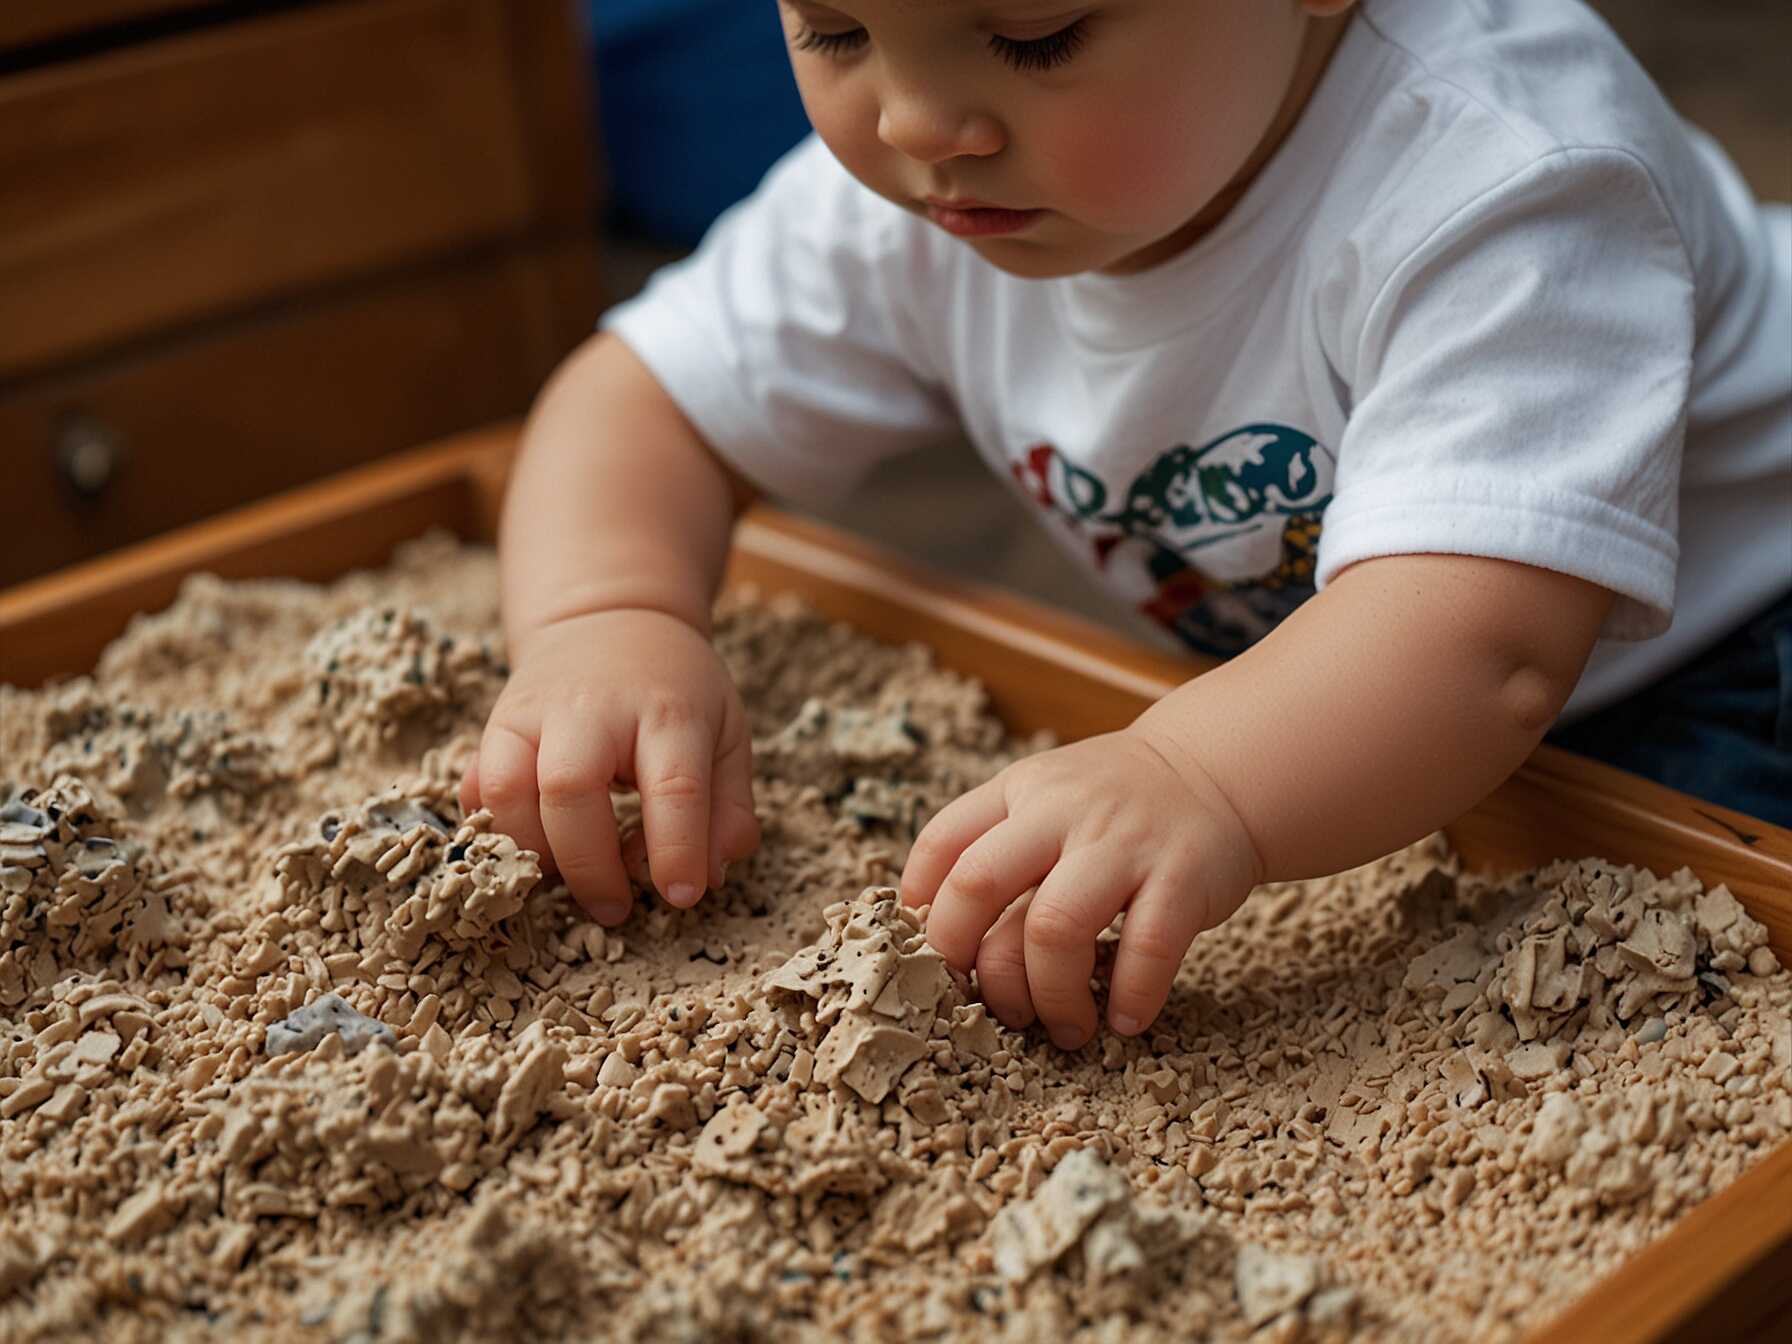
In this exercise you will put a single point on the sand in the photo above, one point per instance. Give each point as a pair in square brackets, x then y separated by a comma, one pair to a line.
[291, 1049]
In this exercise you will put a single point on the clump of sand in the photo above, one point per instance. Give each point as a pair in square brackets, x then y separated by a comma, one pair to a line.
[290, 1048]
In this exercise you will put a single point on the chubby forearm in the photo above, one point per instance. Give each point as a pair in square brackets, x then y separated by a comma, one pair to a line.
[1383, 708]
[614, 502]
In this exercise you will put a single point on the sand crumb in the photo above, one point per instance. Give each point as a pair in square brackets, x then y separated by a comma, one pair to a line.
[292, 1049]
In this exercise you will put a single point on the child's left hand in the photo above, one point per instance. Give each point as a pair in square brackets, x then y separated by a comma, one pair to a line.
[1111, 823]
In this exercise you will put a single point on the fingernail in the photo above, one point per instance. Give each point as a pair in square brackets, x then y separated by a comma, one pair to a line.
[683, 894]
[611, 915]
[1067, 1038]
[1127, 1026]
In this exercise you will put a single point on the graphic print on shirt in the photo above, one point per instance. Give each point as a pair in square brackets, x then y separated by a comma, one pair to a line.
[1217, 543]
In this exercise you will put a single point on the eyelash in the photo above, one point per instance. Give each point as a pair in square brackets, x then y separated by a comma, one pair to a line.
[1044, 53]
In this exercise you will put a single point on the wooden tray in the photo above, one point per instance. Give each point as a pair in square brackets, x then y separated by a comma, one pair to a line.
[1723, 1272]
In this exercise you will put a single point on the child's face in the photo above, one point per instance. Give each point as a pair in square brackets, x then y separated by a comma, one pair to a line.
[1107, 133]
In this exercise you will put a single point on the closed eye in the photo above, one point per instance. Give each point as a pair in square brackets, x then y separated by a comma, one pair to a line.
[828, 44]
[1040, 53]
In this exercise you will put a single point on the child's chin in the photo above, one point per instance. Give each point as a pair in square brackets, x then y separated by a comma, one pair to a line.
[1030, 260]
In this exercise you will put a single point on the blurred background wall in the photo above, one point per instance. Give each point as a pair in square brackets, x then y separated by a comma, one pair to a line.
[246, 243]
[696, 101]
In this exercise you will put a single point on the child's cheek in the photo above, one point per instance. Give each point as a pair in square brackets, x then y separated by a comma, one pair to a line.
[1151, 159]
[847, 123]
[1124, 173]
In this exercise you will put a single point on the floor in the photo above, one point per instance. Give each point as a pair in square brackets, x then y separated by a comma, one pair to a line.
[1722, 62]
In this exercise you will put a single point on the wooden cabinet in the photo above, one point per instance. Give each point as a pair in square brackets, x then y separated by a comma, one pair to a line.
[245, 245]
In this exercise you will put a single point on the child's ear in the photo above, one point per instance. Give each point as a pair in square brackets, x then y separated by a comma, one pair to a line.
[1325, 9]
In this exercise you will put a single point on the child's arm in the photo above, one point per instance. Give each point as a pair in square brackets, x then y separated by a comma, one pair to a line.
[1383, 708]
[612, 542]
[614, 501]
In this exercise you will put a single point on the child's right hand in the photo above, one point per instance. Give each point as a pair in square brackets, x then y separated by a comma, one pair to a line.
[636, 696]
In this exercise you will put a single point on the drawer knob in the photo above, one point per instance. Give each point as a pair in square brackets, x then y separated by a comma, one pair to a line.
[89, 455]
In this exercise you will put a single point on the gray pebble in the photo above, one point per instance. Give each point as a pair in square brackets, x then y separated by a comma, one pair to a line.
[22, 833]
[93, 857]
[405, 815]
[19, 812]
[1651, 1031]
[303, 1029]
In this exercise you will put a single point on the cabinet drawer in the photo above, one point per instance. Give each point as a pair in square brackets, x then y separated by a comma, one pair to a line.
[197, 175]
[111, 456]
[26, 21]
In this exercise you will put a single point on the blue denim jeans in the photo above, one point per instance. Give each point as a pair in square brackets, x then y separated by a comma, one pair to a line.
[1719, 728]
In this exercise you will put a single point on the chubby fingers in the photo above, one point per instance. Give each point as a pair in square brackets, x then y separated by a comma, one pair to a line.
[733, 824]
[945, 837]
[1002, 967]
[993, 860]
[1073, 905]
[674, 758]
[507, 780]
[576, 763]
[1161, 922]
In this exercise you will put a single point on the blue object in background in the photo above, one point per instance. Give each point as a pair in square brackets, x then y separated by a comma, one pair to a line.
[695, 102]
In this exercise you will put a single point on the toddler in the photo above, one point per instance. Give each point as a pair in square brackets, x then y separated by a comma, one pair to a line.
[1410, 352]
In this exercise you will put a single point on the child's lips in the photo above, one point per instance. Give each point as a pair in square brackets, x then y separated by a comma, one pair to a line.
[967, 218]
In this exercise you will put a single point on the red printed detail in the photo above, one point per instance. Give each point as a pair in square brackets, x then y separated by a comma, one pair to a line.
[1174, 596]
[1034, 474]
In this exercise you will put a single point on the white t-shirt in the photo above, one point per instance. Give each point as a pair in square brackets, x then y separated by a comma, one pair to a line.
[1477, 303]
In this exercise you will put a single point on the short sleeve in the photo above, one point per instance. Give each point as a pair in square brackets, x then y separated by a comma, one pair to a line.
[779, 338]
[1518, 387]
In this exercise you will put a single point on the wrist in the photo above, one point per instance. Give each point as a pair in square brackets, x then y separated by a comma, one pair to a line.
[534, 631]
[1246, 867]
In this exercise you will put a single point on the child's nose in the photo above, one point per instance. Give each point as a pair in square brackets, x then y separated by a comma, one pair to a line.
[924, 125]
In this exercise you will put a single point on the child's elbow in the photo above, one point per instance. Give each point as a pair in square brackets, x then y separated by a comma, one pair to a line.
[1532, 696]
[1541, 639]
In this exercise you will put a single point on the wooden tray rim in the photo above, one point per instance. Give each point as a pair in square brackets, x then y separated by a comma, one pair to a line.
[1666, 1290]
